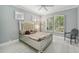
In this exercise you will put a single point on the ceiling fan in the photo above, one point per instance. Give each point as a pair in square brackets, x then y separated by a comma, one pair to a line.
[45, 7]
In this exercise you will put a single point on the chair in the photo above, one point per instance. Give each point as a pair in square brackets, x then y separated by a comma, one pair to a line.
[72, 35]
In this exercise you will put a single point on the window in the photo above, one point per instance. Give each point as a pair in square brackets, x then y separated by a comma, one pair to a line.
[50, 24]
[56, 24]
[59, 23]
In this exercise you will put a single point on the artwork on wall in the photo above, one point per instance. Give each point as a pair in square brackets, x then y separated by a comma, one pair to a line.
[19, 15]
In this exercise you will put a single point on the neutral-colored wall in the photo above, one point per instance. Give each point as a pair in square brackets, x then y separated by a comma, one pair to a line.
[70, 18]
[8, 24]
[78, 19]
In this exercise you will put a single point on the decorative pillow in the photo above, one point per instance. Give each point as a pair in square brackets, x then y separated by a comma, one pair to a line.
[27, 32]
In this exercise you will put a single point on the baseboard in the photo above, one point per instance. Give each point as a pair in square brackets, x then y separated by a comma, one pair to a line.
[9, 42]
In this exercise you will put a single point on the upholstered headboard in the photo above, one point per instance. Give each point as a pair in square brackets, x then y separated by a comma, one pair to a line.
[27, 26]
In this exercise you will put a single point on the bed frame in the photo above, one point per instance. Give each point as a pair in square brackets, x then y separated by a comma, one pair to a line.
[38, 45]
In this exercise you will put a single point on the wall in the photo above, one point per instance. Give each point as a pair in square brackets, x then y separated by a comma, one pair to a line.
[78, 18]
[70, 18]
[9, 27]
[8, 24]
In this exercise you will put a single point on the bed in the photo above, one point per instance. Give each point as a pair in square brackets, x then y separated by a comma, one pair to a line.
[37, 40]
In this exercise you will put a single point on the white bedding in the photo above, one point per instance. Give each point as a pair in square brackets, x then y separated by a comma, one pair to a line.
[38, 35]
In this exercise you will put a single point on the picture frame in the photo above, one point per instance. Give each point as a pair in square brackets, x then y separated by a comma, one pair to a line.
[19, 15]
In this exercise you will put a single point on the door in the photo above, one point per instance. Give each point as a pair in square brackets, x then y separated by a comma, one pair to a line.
[55, 24]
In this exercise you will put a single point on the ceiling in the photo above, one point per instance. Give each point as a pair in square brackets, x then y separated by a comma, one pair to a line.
[51, 9]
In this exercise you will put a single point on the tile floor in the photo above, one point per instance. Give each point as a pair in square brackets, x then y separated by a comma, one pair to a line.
[58, 45]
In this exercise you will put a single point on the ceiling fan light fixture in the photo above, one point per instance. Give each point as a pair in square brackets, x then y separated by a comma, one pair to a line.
[45, 7]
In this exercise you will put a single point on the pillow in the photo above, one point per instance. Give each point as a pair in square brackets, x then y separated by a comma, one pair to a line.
[27, 32]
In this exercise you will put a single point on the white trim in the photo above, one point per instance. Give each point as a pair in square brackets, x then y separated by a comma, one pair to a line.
[9, 42]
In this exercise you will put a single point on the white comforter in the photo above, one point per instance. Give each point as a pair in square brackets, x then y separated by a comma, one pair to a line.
[38, 35]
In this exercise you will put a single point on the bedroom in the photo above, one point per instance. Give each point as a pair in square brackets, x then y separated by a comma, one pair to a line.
[12, 17]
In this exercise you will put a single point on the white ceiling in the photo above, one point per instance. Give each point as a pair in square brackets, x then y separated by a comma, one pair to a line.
[51, 9]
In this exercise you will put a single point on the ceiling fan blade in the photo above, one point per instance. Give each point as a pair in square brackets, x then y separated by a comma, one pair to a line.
[40, 8]
[45, 8]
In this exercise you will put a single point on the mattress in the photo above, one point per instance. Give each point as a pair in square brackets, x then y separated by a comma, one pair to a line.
[38, 36]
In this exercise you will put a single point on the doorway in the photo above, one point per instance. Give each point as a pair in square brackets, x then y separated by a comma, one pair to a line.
[55, 24]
